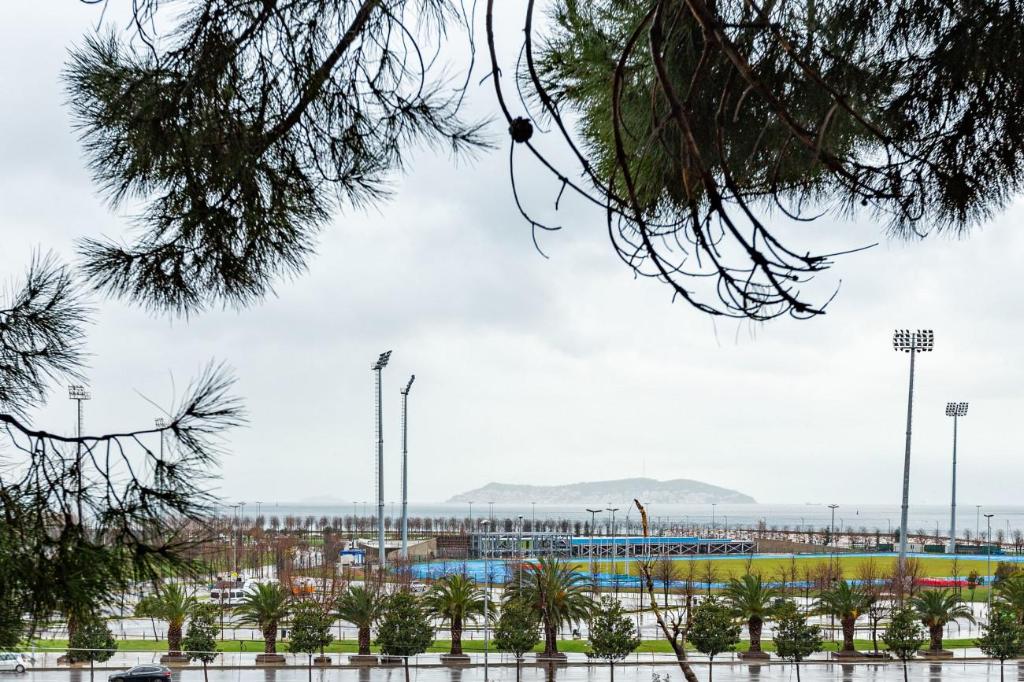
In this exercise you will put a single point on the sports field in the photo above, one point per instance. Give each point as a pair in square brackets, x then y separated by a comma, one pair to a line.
[804, 566]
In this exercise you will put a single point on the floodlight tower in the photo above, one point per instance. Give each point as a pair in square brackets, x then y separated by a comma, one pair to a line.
[405, 468]
[912, 342]
[161, 424]
[381, 363]
[954, 410]
[79, 394]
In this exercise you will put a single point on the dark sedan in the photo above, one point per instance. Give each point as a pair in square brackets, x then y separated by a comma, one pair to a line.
[143, 673]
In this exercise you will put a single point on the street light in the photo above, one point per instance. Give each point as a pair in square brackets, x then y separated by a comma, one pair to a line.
[988, 563]
[405, 469]
[487, 596]
[79, 394]
[954, 410]
[161, 424]
[832, 534]
[611, 532]
[912, 342]
[378, 367]
[593, 574]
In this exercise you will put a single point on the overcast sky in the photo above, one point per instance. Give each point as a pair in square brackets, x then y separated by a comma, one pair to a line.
[531, 370]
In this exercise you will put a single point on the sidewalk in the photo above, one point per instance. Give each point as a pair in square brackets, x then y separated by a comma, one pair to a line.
[48, 660]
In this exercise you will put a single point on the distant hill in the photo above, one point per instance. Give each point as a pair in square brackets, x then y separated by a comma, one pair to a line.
[678, 491]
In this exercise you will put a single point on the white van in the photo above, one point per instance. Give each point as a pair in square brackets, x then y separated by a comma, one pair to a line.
[12, 662]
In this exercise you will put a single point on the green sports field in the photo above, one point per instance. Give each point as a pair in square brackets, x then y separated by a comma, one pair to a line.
[774, 567]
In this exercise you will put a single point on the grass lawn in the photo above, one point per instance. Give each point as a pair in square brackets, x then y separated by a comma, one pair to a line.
[350, 646]
[774, 567]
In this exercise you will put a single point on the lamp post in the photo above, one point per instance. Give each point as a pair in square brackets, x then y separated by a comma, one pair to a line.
[954, 410]
[611, 533]
[713, 505]
[593, 573]
[988, 562]
[377, 368]
[161, 424]
[405, 468]
[977, 523]
[487, 597]
[79, 394]
[912, 342]
[832, 531]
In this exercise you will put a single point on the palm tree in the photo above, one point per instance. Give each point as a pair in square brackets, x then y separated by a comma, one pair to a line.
[265, 608]
[845, 603]
[936, 608]
[750, 598]
[455, 598]
[361, 607]
[172, 604]
[556, 594]
[1010, 592]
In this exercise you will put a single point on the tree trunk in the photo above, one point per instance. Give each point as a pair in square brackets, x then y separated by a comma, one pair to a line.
[456, 636]
[935, 634]
[364, 641]
[310, 667]
[874, 635]
[905, 671]
[519, 667]
[91, 669]
[174, 638]
[754, 626]
[406, 659]
[611, 670]
[206, 672]
[550, 639]
[270, 639]
[848, 624]
[711, 667]
[796, 665]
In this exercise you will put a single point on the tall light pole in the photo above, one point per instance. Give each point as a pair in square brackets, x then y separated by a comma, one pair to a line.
[593, 573]
[954, 410]
[405, 468]
[713, 505]
[611, 533]
[487, 598]
[912, 342]
[977, 523]
[832, 532]
[988, 563]
[533, 517]
[79, 394]
[471, 527]
[381, 363]
[161, 424]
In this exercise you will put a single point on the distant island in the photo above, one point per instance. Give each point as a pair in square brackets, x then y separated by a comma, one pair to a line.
[677, 491]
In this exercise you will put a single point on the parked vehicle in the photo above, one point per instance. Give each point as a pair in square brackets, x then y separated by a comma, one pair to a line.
[143, 673]
[416, 587]
[12, 662]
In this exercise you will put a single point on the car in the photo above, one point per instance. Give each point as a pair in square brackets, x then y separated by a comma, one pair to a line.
[416, 587]
[140, 673]
[12, 661]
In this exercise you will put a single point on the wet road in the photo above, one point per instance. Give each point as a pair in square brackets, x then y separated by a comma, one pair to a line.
[918, 672]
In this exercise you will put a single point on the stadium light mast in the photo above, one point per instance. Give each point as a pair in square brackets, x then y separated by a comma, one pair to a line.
[405, 468]
[954, 410]
[79, 394]
[912, 342]
[593, 574]
[381, 363]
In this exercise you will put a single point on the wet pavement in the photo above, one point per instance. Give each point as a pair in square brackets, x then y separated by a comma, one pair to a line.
[919, 671]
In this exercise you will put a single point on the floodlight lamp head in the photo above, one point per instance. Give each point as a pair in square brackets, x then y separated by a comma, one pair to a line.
[919, 341]
[160, 422]
[78, 392]
[956, 409]
[382, 361]
[405, 391]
